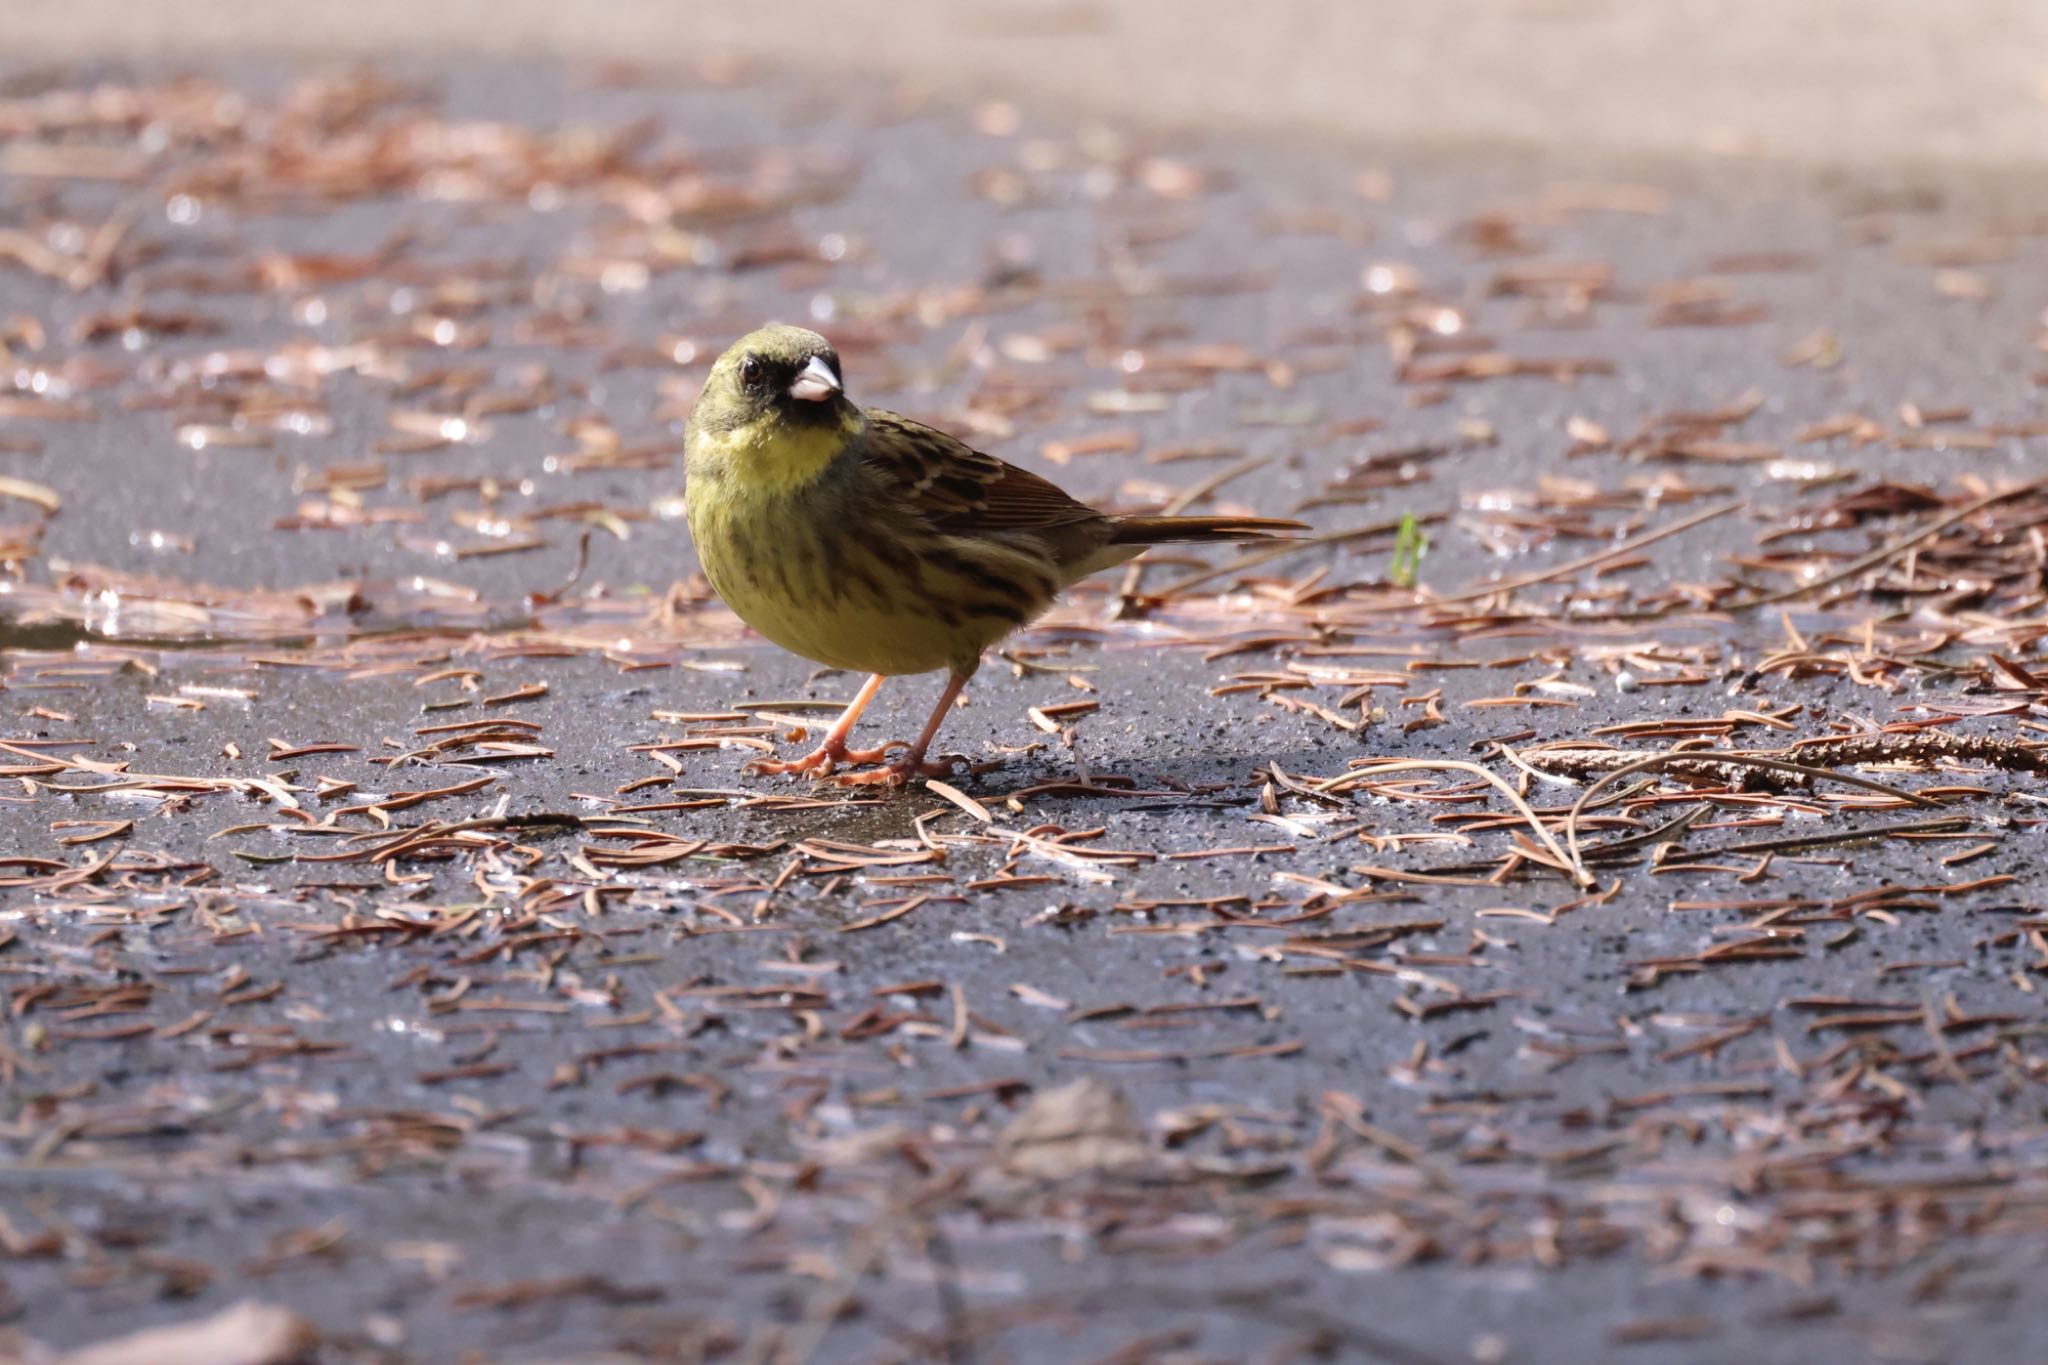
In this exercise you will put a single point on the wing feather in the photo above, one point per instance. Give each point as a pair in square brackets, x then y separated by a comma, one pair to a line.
[959, 488]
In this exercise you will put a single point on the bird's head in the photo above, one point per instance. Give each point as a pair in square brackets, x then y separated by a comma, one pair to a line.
[775, 402]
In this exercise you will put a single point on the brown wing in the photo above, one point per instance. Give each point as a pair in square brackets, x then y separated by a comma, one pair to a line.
[960, 488]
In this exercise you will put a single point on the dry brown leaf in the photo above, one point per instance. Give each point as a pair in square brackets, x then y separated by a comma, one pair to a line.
[1086, 1128]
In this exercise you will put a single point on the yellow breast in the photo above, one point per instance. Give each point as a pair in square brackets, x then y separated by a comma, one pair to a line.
[847, 587]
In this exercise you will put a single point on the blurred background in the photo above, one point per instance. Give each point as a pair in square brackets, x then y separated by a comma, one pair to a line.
[1853, 82]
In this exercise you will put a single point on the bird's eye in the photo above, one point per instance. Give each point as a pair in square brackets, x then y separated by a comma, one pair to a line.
[753, 373]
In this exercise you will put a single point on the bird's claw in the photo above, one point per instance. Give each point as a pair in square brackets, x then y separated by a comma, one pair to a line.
[900, 772]
[820, 761]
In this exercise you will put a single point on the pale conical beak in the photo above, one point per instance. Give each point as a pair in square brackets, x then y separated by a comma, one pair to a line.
[816, 383]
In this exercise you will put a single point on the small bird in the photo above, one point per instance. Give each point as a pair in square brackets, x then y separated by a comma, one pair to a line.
[866, 541]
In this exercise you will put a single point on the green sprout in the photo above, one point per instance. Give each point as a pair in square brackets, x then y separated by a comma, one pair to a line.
[1410, 545]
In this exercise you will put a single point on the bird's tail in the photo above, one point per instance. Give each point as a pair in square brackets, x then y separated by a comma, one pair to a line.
[1196, 530]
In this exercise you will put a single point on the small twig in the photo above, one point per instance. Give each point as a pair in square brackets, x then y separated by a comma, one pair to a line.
[1669, 832]
[1947, 824]
[1885, 554]
[561, 590]
[1571, 567]
[1643, 765]
[1943, 1053]
[1567, 863]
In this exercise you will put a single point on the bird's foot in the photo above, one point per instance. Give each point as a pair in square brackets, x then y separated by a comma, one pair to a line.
[899, 772]
[820, 761]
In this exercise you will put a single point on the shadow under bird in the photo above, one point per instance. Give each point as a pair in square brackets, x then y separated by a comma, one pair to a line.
[866, 541]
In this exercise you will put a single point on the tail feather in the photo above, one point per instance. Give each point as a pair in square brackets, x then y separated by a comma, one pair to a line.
[1197, 530]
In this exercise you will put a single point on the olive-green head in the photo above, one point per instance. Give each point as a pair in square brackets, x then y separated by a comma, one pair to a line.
[778, 382]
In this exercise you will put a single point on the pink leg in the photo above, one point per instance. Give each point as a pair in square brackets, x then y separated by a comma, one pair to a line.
[833, 750]
[913, 764]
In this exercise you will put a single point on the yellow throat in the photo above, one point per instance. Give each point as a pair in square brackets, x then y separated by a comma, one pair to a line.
[771, 455]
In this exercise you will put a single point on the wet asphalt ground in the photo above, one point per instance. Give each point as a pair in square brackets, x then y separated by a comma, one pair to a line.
[342, 411]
